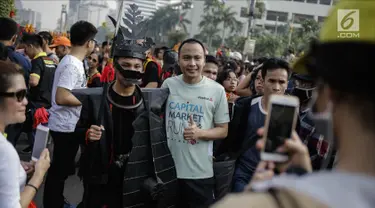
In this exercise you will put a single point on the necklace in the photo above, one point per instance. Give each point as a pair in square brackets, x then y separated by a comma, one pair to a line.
[129, 107]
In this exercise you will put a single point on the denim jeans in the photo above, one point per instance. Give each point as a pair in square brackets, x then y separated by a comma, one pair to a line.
[245, 168]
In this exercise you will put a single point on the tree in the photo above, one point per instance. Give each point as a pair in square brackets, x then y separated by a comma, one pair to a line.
[165, 20]
[209, 27]
[176, 37]
[237, 43]
[227, 17]
[211, 5]
[260, 9]
[215, 14]
[6, 6]
[268, 45]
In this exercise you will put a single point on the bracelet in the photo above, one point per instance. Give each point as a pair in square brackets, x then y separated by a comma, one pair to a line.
[32, 186]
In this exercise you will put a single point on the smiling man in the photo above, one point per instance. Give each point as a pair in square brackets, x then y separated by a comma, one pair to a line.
[196, 114]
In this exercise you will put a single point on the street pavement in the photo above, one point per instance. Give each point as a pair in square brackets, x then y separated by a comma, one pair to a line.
[73, 186]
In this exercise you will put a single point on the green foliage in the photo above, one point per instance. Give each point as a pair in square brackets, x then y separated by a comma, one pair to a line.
[268, 45]
[271, 44]
[175, 37]
[5, 7]
[217, 13]
[236, 42]
[260, 9]
[165, 20]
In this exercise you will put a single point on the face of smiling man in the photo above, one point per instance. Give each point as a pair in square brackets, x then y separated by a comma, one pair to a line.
[191, 61]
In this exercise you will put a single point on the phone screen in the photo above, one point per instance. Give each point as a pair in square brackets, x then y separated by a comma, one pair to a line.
[41, 138]
[280, 126]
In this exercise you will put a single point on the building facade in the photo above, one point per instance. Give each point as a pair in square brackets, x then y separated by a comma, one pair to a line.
[28, 16]
[92, 11]
[278, 12]
[294, 12]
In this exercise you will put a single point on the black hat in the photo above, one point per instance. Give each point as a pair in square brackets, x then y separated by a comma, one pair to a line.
[131, 43]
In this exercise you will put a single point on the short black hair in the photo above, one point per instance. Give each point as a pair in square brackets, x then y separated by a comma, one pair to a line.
[105, 43]
[230, 64]
[275, 63]
[347, 69]
[32, 39]
[261, 60]
[191, 40]
[81, 32]
[156, 51]
[212, 59]
[46, 36]
[8, 28]
[223, 75]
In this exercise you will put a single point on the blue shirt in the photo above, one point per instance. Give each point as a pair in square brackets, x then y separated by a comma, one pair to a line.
[21, 60]
[256, 119]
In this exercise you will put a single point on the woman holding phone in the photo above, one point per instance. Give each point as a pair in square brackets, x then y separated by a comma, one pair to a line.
[14, 191]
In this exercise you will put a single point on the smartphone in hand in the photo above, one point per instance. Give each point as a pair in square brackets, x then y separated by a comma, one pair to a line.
[280, 122]
[40, 143]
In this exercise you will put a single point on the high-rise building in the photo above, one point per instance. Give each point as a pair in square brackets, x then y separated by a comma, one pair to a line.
[28, 16]
[148, 7]
[293, 11]
[92, 11]
[278, 12]
[74, 5]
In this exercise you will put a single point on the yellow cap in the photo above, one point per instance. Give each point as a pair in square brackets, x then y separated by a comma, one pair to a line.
[348, 21]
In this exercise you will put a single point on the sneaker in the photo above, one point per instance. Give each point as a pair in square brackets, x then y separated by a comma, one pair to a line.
[27, 150]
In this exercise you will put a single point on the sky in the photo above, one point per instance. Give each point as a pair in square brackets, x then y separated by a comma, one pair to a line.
[51, 10]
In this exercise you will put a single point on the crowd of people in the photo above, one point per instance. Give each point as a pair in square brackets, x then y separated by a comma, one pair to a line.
[178, 127]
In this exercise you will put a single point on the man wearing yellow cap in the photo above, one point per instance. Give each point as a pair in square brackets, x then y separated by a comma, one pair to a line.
[62, 46]
[343, 104]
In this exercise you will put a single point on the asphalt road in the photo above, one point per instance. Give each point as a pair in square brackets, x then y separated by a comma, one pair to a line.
[73, 186]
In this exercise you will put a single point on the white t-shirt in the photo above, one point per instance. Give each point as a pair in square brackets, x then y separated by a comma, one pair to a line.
[206, 102]
[334, 189]
[70, 75]
[12, 175]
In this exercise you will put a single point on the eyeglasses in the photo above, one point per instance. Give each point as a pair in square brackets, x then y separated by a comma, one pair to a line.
[96, 42]
[90, 58]
[20, 95]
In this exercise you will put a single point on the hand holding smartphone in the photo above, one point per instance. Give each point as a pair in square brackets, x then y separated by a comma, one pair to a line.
[280, 122]
[40, 143]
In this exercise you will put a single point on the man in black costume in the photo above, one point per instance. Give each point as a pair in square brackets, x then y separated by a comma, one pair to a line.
[126, 161]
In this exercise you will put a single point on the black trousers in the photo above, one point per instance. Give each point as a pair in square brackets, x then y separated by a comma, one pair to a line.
[63, 165]
[197, 193]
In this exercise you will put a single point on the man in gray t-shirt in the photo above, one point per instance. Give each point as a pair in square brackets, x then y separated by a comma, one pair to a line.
[196, 114]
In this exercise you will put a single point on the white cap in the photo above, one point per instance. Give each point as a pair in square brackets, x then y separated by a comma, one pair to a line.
[236, 56]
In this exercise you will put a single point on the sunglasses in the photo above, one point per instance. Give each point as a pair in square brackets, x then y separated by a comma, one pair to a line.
[20, 95]
[90, 58]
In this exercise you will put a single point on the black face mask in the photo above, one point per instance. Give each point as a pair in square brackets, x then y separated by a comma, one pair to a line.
[304, 95]
[129, 76]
